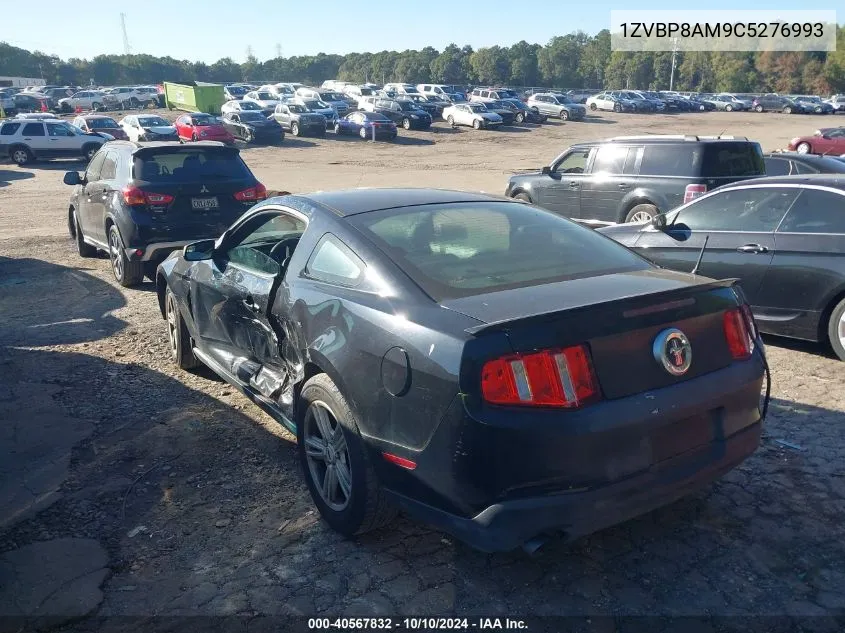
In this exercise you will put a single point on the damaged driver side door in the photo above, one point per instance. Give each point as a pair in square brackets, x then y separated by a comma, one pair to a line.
[234, 297]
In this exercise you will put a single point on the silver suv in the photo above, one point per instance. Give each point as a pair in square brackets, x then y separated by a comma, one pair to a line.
[557, 105]
[24, 140]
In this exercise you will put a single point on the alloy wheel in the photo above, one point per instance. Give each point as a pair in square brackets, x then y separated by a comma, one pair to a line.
[172, 323]
[842, 330]
[20, 156]
[640, 216]
[115, 255]
[328, 456]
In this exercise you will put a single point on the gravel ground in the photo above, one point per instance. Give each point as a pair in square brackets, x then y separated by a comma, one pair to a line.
[196, 495]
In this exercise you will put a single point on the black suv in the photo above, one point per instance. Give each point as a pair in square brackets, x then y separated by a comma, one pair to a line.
[633, 178]
[140, 202]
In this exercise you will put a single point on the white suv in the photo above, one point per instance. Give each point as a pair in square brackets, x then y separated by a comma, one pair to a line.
[24, 140]
[128, 97]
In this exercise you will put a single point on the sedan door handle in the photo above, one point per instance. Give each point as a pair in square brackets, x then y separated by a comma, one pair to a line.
[752, 248]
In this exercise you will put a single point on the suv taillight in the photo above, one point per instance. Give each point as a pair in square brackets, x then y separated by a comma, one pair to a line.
[740, 332]
[693, 191]
[133, 196]
[548, 378]
[258, 192]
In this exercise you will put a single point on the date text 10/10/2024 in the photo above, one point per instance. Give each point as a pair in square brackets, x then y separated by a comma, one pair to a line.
[418, 623]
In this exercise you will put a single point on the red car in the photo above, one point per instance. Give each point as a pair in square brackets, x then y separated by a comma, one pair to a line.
[198, 126]
[828, 141]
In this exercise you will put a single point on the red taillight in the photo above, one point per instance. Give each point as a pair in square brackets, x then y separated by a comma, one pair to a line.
[693, 191]
[258, 192]
[549, 378]
[739, 333]
[133, 196]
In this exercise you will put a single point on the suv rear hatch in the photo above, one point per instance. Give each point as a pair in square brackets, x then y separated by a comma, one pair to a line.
[192, 187]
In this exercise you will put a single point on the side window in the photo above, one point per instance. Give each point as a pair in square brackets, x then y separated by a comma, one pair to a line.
[801, 168]
[109, 168]
[253, 249]
[59, 129]
[92, 174]
[334, 262]
[777, 167]
[610, 159]
[573, 163]
[8, 129]
[815, 211]
[758, 209]
[631, 161]
[33, 129]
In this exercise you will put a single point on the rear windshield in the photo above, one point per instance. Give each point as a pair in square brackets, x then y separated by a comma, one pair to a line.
[703, 160]
[190, 165]
[462, 249]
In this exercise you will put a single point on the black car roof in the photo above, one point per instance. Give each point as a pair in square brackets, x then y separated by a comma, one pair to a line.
[353, 201]
[836, 181]
[666, 139]
[175, 145]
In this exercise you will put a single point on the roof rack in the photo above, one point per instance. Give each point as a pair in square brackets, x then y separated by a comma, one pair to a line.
[678, 137]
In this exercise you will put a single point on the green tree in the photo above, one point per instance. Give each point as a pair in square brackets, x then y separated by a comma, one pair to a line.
[490, 65]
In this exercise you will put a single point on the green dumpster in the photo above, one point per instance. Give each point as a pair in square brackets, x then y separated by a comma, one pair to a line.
[197, 96]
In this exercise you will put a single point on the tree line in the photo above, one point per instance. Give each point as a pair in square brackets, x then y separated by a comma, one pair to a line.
[575, 60]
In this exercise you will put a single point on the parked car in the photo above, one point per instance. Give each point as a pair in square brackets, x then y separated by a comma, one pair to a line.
[793, 163]
[356, 92]
[815, 104]
[488, 95]
[198, 126]
[31, 102]
[611, 101]
[725, 103]
[634, 178]
[148, 127]
[329, 270]
[86, 100]
[293, 117]
[316, 106]
[240, 106]
[253, 127]
[672, 102]
[7, 104]
[738, 102]
[401, 88]
[445, 92]
[433, 106]
[771, 102]
[643, 103]
[100, 124]
[278, 92]
[267, 101]
[556, 105]
[699, 104]
[782, 237]
[234, 92]
[829, 140]
[578, 95]
[473, 114]
[504, 111]
[523, 113]
[366, 125]
[838, 103]
[127, 97]
[200, 188]
[331, 98]
[404, 113]
[25, 140]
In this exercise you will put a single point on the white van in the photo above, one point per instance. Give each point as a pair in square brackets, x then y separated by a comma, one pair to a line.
[401, 89]
[444, 91]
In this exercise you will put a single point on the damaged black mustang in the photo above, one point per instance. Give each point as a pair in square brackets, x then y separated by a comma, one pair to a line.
[487, 366]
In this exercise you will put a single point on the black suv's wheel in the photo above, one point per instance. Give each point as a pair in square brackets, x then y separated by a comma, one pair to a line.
[641, 213]
[617, 107]
[294, 128]
[836, 330]
[20, 154]
[406, 123]
[84, 249]
[787, 110]
[729, 108]
[520, 117]
[177, 333]
[127, 273]
[338, 473]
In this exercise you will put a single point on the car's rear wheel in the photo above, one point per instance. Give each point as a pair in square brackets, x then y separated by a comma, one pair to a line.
[82, 247]
[641, 213]
[617, 107]
[194, 137]
[520, 117]
[181, 350]
[337, 470]
[89, 150]
[729, 108]
[522, 196]
[564, 115]
[294, 128]
[787, 110]
[20, 155]
[406, 123]
[593, 106]
[836, 329]
[127, 273]
[450, 120]
[362, 132]
[133, 102]
[758, 108]
[803, 148]
[96, 106]
[476, 124]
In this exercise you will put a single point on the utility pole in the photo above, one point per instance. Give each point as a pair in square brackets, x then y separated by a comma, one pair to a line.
[674, 57]
[126, 48]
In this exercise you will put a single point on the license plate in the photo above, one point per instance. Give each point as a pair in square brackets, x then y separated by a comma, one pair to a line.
[204, 203]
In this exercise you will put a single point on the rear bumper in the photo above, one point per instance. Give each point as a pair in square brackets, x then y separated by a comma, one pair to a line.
[156, 252]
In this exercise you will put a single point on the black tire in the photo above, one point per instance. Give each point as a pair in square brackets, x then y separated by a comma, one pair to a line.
[523, 196]
[450, 120]
[758, 108]
[181, 350]
[564, 115]
[520, 117]
[476, 124]
[367, 507]
[804, 148]
[638, 212]
[127, 273]
[593, 107]
[787, 110]
[89, 150]
[836, 330]
[617, 107]
[96, 106]
[294, 128]
[248, 138]
[82, 248]
[729, 108]
[406, 123]
[194, 137]
[20, 154]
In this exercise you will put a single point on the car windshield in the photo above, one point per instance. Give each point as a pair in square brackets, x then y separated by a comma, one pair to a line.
[236, 90]
[189, 165]
[252, 116]
[152, 121]
[204, 119]
[477, 107]
[249, 105]
[330, 96]
[313, 104]
[366, 91]
[101, 124]
[296, 108]
[265, 96]
[406, 106]
[508, 93]
[373, 116]
[458, 250]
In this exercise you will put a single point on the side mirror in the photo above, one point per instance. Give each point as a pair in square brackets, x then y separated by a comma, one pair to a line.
[72, 178]
[547, 170]
[659, 221]
[198, 251]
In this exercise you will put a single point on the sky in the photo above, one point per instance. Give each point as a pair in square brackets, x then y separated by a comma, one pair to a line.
[213, 29]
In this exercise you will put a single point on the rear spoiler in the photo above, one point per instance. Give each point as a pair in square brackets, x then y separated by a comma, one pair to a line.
[678, 296]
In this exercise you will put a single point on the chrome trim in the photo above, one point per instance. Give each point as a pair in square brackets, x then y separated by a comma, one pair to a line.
[93, 242]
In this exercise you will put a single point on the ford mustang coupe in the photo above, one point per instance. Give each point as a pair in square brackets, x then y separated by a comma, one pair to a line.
[488, 366]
